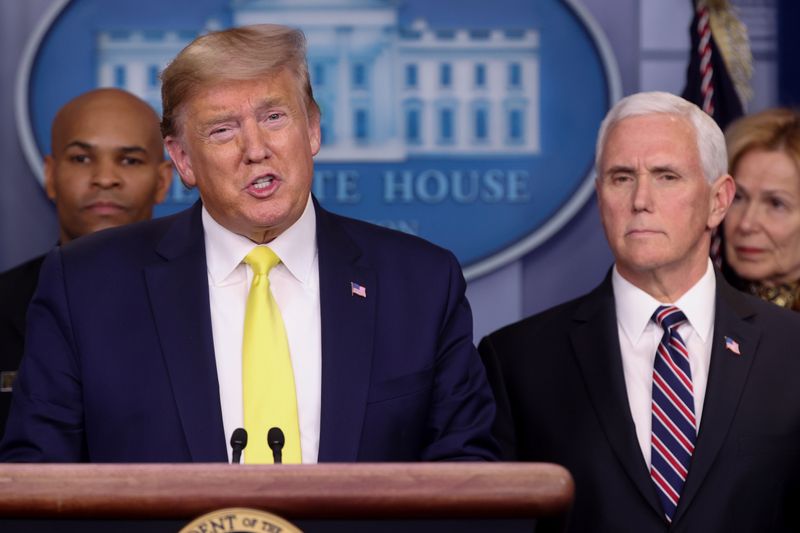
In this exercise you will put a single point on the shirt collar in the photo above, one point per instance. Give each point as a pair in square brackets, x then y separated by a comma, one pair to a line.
[225, 250]
[635, 307]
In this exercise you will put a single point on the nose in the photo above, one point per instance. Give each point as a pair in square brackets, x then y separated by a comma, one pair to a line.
[642, 194]
[255, 143]
[749, 218]
[106, 174]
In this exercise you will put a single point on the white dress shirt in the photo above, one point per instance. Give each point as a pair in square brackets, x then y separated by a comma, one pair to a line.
[295, 286]
[639, 337]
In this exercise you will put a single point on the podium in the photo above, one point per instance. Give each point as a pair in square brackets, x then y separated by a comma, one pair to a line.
[165, 497]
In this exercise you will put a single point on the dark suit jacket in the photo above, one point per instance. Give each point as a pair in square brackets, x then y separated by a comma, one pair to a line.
[120, 366]
[16, 290]
[561, 397]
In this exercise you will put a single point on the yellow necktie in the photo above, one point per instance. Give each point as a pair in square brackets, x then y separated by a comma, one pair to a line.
[267, 377]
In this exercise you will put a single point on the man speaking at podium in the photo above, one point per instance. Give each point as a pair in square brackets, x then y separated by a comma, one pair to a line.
[255, 308]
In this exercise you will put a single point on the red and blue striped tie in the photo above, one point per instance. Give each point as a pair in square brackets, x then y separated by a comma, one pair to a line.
[674, 425]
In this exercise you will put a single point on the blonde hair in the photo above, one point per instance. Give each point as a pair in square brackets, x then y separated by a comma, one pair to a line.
[236, 54]
[772, 130]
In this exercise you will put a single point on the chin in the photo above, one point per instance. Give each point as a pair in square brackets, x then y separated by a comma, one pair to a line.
[268, 223]
[753, 275]
[104, 225]
[646, 263]
[277, 216]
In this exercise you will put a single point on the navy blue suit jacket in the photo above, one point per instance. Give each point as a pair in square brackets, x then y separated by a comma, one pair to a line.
[120, 367]
[561, 398]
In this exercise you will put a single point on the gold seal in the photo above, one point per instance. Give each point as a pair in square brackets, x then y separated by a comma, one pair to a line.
[239, 520]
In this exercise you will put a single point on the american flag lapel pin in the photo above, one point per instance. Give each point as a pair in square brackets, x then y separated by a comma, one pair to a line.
[732, 346]
[357, 290]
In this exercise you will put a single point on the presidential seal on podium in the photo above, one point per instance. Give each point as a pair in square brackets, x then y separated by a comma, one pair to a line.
[239, 520]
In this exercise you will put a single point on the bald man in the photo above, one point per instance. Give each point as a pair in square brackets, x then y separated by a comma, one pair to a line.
[106, 169]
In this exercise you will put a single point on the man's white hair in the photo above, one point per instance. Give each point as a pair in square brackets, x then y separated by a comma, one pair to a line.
[709, 139]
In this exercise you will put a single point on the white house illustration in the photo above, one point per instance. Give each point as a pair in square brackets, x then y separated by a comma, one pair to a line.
[387, 93]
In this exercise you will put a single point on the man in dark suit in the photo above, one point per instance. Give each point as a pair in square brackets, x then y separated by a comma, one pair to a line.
[140, 338]
[671, 398]
[106, 169]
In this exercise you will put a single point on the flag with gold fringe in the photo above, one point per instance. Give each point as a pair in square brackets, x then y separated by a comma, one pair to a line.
[720, 62]
[719, 72]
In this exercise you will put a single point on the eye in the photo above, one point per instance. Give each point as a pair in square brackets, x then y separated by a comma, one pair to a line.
[221, 133]
[79, 158]
[129, 161]
[776, 203]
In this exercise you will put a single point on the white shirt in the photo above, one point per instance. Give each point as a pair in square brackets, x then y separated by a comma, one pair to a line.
[639, 337]
[295, 286]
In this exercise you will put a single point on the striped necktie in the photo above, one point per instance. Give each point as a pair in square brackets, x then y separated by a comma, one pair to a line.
[674, 429]
[267, 377]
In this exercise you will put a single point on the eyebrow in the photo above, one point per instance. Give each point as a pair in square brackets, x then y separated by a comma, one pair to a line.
[261, 106]
[79, 144]
[219, 119]
[630, 170]
[763, 192]
[123, 149]
[619, 169]
[664, 168]
[130, 149]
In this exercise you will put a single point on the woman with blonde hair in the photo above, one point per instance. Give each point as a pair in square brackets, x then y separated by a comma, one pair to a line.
[762, 227]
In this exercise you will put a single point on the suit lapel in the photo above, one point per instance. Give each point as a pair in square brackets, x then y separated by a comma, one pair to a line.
[178, 291]
[726, 380]
[348, 323]
[596, 344]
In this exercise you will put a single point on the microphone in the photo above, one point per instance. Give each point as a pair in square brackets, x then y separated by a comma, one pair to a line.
[238, 443]
[276, 440]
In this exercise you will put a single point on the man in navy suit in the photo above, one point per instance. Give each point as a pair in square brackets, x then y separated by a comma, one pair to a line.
[135, 350]
[672, 398]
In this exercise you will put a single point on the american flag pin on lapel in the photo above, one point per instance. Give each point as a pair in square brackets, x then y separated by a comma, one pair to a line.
[357, 290]
[732, 345]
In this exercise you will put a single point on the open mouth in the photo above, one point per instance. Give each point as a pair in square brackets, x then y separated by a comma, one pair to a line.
[264, 186]
[263, 182]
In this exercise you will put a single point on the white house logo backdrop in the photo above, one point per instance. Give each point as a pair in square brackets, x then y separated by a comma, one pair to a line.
[468, 123]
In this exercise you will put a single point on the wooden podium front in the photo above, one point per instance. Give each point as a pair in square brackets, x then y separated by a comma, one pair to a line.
[174, 494]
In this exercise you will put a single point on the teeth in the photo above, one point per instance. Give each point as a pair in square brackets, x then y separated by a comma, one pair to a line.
[262, 183]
